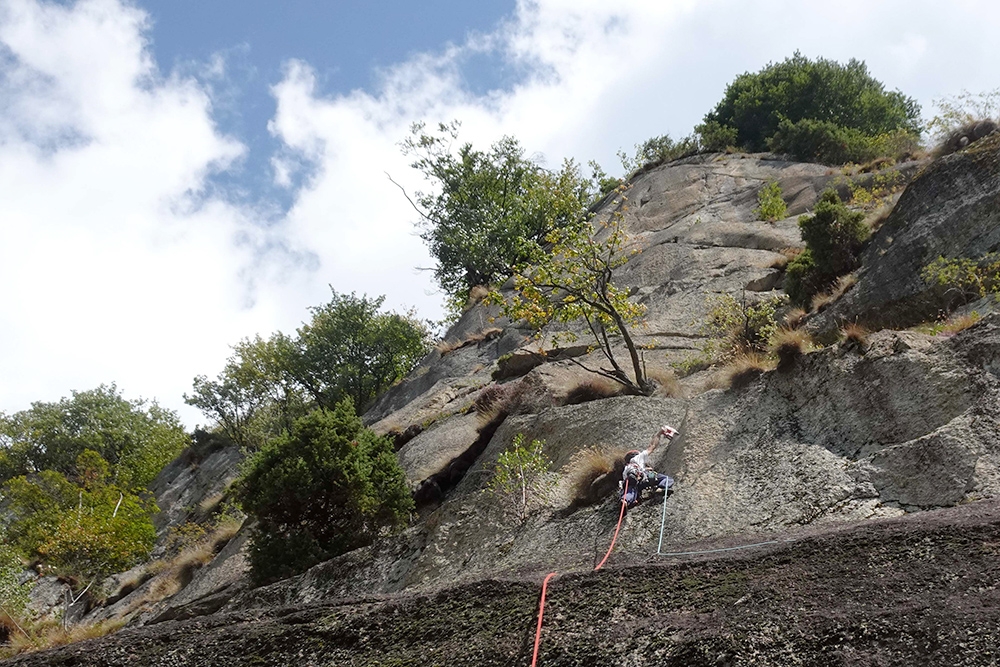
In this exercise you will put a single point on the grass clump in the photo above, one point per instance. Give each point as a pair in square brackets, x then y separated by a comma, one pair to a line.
[788, 346]
[741, 370]
[592, 389]
[43, 635]
[822, 300]
[586, 477]
[854, 337]
[950, 326]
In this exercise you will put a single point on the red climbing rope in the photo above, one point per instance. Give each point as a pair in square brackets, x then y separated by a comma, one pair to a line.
[621, 515]
[541, 610]
[545, 582]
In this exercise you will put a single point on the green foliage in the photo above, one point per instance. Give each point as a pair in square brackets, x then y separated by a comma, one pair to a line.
[963, 109]
[519, 479]
[841, 101]
[14, 594]
[740, 327]
[770, 205]
[326, 488]
[834, 236]
[574, 281]
[657, 151]
[254, 395]
[85, 527]
[488, 210]
[135, 438]
[348, 348]
[715, 137]
[964, 279]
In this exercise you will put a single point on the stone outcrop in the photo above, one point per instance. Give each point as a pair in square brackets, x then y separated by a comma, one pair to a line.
[951, 210]
[854, 451]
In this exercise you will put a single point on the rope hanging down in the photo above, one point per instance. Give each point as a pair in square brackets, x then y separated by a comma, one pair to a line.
[545, 582]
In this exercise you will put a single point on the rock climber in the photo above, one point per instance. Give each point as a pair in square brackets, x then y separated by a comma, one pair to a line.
[639, 475]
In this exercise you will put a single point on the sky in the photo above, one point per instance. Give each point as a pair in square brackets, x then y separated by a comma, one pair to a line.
[177, 175]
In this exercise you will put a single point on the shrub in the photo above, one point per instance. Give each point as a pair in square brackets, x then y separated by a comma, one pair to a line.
[770, 205]
[13, 592]
[520, 482]
[85, 528]
[961, 280]
[834, 236]
[326, 488]
[716, 137]
[740, 327]
[963, 110]
[487, 211]
[822, 91]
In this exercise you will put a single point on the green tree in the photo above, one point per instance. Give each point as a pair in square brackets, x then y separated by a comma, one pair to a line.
[136, 438]
[351, 349]
[255, 395]
[797, 89]
[574, 281]
[519, 479]
[488, 210]
[14, 594]
[85, 527]
[834, 236]
[326, 488]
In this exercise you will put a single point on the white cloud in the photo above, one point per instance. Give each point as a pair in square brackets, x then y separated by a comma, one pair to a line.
[116, 264]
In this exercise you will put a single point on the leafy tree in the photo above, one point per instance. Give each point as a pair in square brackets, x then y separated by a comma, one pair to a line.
[519, 478]
[14, 594]
[85, 527]
[351, 349]
[574, 281]
[326, 488]
[834, 236]
[841, 96]
[489, 210]
[136, 438]
[348, 348]
[255, 395]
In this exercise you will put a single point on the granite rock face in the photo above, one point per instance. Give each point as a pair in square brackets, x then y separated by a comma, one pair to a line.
[950, 210]
[901, 425]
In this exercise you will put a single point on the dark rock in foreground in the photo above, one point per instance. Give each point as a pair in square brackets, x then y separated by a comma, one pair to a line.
[916, 590]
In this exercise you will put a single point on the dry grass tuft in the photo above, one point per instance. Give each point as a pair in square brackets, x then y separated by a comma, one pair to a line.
[667, 384]
[477, 294]
[960, 323]
[855, 337]
[496, 401]
[43, 635]
[584, 477]
[741, 371]
[824, 299]
[878, 217]
[794, 318]
[789, 345]
[592, 389]
[446, 346]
